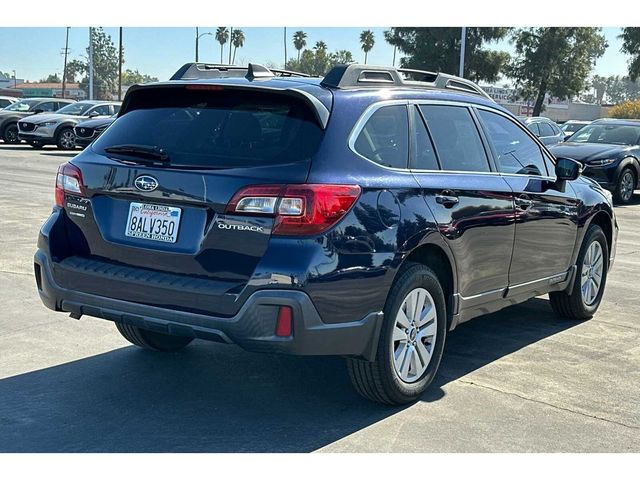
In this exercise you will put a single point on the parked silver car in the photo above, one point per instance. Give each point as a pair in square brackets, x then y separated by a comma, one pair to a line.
[6, 101]
[57, 128]
[545, 129]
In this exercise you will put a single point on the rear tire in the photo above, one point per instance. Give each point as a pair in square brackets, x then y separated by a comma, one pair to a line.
[66, 139]
[625, 187]
[388, 379]
[573, 304]
[10, 134]
[152, 340]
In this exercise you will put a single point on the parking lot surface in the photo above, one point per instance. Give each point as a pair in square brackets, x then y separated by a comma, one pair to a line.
[518, 380]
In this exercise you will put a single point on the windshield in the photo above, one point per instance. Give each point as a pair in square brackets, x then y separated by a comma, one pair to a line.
[602, 133]
[571, 127]
[75, 108]
[22, 106]
[215, 129]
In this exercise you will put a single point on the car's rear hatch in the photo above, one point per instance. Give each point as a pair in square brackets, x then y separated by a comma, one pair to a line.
[150, 224]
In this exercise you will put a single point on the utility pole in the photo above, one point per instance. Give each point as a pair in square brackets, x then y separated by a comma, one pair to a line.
[463, 42]
[197, 38]
[90, 63]
[285, 48]
[15, 79]
[64, 70]
[120, 67]
[230, 43]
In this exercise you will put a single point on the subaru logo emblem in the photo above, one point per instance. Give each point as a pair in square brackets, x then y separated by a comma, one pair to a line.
[146, 183]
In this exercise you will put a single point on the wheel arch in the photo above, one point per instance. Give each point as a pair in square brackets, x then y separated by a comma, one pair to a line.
[605, 222]
[439, 258]
[632, 162]
[62, 126]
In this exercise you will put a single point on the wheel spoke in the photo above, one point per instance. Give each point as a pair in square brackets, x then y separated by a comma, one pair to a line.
[399, 334]
[424, 353]
[427, 331]
[428, 315]
[402, 320]
[419, 364]
[406, 361]
[420, 299]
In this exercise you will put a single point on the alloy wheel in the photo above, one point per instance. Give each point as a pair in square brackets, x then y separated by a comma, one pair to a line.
[414, 335]
[592, 271]
[68, 139]
[12, 135]
[626, 185]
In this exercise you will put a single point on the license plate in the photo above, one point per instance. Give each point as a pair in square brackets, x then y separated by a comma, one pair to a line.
[153, 222]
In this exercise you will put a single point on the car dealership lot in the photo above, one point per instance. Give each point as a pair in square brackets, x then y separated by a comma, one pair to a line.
[517, 380]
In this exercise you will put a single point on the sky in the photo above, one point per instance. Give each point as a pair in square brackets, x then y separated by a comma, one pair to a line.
[36, 52]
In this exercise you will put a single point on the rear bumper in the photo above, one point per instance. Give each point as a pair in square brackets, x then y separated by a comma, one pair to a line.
[252, 328]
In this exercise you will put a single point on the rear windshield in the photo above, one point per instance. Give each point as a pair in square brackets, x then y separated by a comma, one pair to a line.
[218, 129]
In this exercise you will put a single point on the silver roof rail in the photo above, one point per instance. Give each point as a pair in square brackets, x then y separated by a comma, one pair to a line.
[198, 71]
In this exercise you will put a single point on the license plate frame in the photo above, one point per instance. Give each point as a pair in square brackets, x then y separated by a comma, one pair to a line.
[157, 223]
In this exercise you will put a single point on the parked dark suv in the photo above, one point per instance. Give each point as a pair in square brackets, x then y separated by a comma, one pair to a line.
[365, 214]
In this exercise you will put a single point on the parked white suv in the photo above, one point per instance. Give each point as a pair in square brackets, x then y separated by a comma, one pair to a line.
[57, 128]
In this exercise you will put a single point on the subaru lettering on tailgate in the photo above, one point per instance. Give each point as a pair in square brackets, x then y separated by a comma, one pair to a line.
[153, 222]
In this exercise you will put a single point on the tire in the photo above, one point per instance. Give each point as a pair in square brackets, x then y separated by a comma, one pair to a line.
[380, 380]
[626, 185]
[66, 139]
[10, 134]
[573, 304]
[152, 340]
[36, 145]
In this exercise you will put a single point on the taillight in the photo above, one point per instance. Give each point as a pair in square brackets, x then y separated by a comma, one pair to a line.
[306, 209]
[68, 180]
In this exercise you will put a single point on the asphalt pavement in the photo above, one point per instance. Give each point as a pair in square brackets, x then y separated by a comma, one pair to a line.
[520, 380]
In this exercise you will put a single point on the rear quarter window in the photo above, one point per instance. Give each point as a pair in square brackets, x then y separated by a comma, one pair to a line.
[384, 138]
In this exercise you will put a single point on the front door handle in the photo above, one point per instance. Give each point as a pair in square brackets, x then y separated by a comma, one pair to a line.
[523, 202]
[447, 201]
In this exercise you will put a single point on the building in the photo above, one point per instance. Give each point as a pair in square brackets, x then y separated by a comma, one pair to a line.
[73, 90]
[554, 108]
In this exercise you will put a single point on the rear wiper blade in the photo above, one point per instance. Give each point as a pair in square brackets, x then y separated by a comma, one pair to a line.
[145, 153]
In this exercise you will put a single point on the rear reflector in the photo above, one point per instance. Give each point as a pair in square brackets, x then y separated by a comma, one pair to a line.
[306, 209]
[284, 325]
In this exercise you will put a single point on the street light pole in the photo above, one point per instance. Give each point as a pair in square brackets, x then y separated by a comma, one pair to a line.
[120, 67]
[197, 37]
[64, 70]
[285, 48]
[90, 63]
[230, 44]
[463, 42]
[15, 80]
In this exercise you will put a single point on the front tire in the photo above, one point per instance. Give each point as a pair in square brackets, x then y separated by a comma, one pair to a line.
[10, 134]
[411, 340]
[66, 139]
[625, 187]
[152, 340]
[582, 302]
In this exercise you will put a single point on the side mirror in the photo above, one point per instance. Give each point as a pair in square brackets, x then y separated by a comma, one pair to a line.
[567, 169]
[93, 114]
[37, 110]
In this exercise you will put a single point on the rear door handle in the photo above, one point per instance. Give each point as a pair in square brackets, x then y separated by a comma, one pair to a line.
[523, 202]
[447, 200]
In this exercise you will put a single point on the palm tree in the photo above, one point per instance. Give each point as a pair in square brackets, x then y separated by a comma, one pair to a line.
[237, 39]
[222, 35]
[299, 41]
[367, 41]
[320, 45]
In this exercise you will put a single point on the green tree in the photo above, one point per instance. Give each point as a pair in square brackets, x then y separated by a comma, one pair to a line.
[555, 60]
[367, 41]
[299, 41]
[237, 40]
[222, 36]
[631, 45]
[622, 89]
[438, 49]
[317, 61]
[105, 66]
[51, 79]
[133, 77]
[6, 76]
[320, 45]
[599, 84]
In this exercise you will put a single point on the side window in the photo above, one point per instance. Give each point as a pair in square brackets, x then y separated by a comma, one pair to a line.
[517, 152]
[100, 110]
[424, 155]
[47, 106]
[456, 138]
[546, 130]
[533, 128]
[385, 137]
[116, 108]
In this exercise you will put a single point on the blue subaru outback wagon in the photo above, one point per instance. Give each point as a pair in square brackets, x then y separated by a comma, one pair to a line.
[364, 214]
